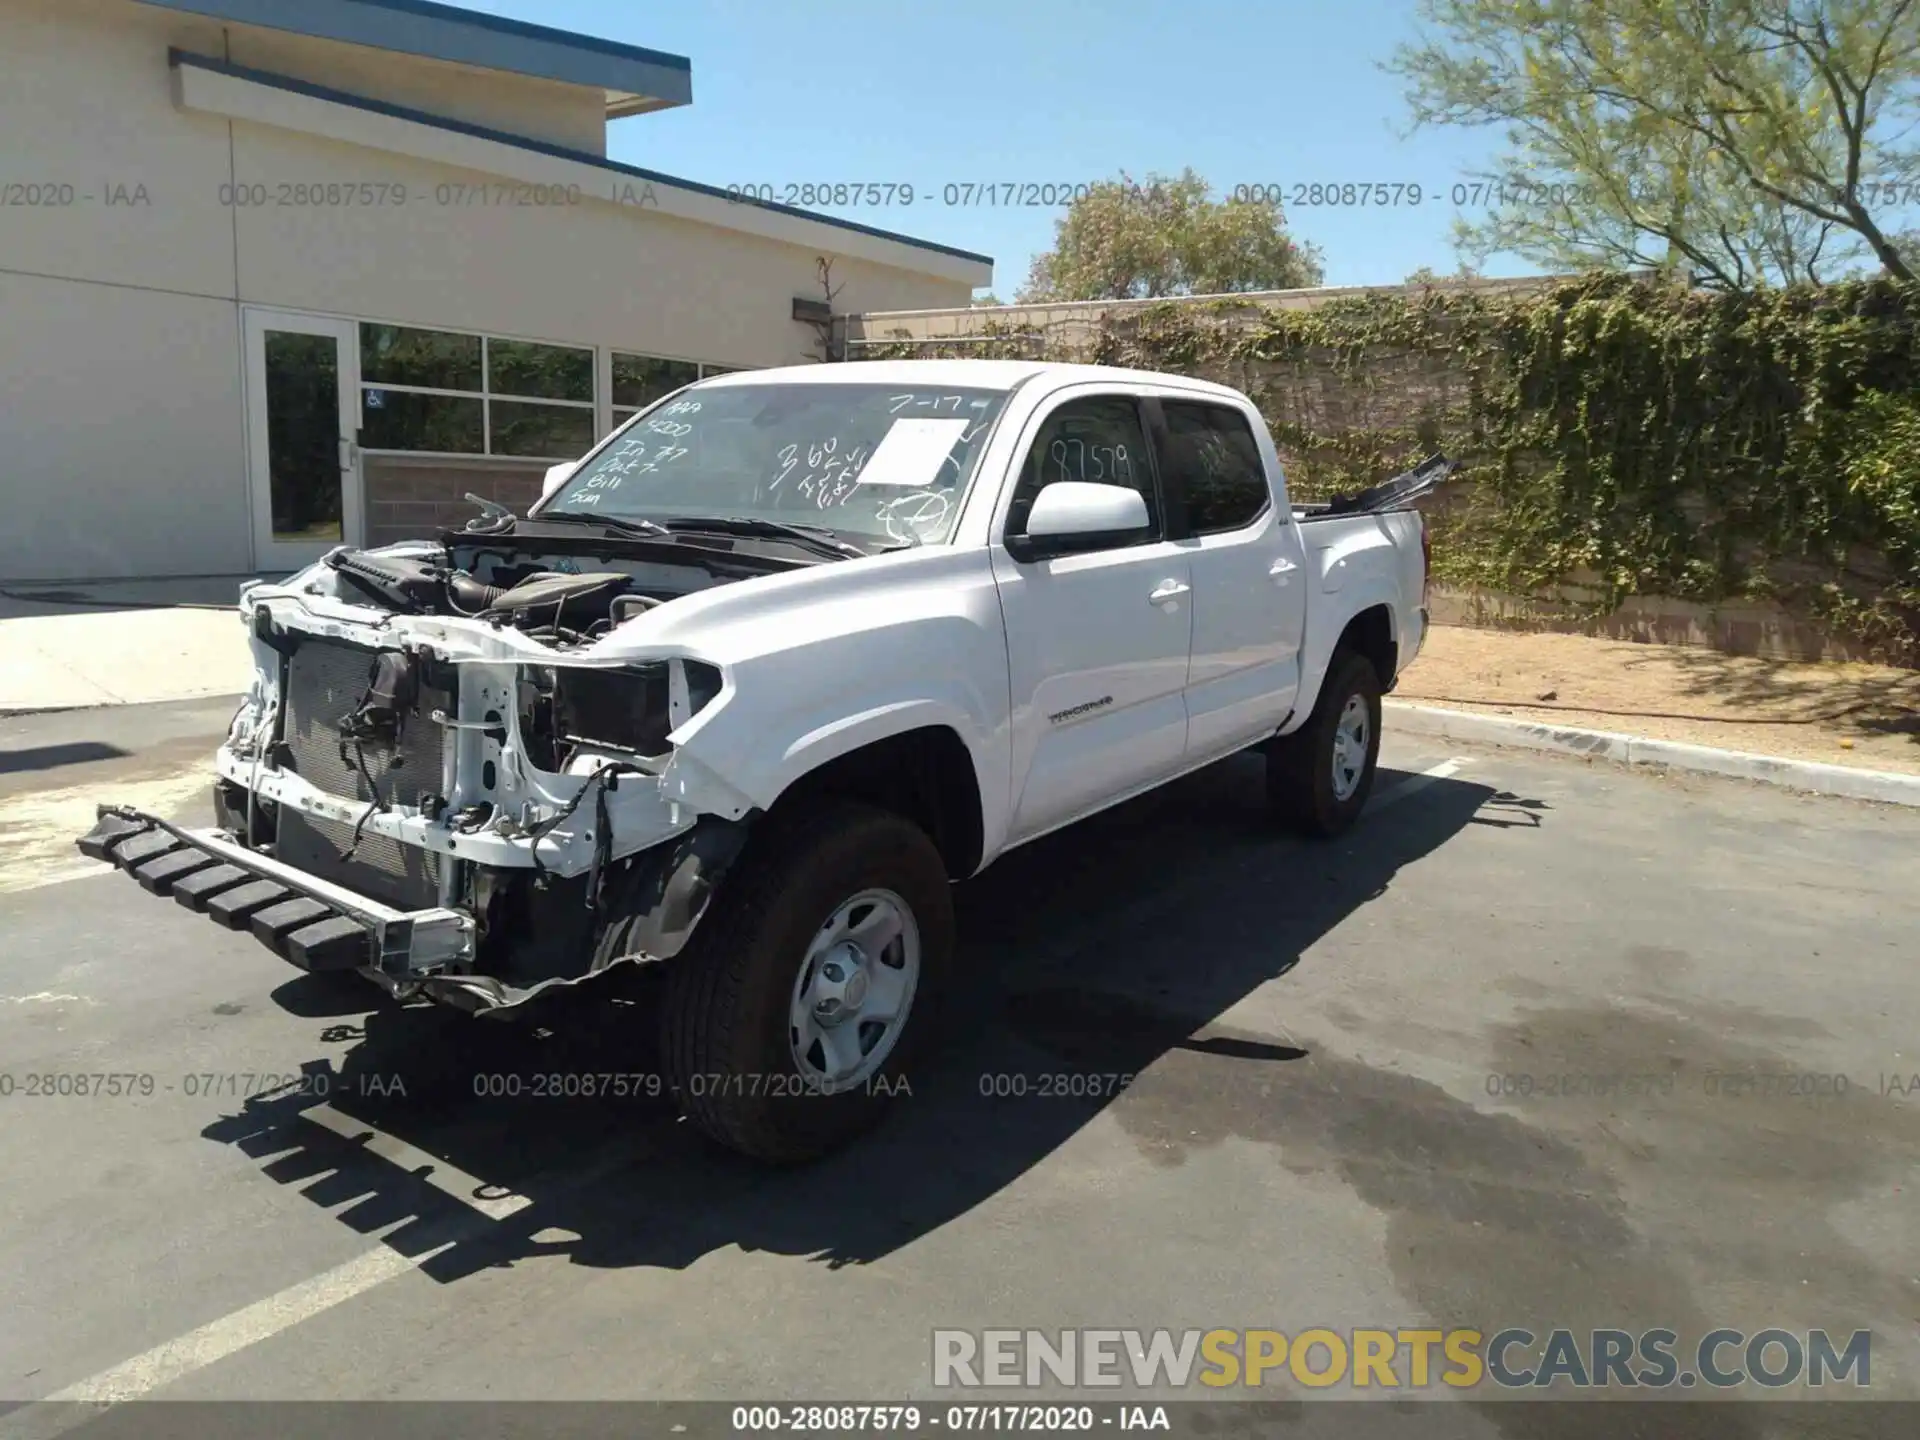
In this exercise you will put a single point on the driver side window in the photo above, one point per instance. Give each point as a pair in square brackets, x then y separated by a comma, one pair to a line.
[1099, 440]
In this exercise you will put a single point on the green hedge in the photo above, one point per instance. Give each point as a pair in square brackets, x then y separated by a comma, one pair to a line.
[1643, 439]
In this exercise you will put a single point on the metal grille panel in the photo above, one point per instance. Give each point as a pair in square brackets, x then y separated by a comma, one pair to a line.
[383, 869]
[325, 683]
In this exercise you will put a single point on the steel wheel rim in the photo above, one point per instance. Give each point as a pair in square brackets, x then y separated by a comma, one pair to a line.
[854, 991]
[1350, 737]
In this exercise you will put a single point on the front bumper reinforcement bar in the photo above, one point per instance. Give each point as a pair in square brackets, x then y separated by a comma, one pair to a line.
[306, 921]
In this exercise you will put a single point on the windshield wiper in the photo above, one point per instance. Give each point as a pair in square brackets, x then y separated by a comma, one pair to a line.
[817, 538]
[493, 518]
[612, 522]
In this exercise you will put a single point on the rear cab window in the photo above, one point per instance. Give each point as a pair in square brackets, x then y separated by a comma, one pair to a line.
[1216, 480]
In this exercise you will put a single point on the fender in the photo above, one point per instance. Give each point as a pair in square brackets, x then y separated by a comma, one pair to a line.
[882, 722]
[691, 778]
[1324, 626]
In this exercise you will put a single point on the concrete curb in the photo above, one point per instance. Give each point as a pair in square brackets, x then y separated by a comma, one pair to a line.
[1843, 780]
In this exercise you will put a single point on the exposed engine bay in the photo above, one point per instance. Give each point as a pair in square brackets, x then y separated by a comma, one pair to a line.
[561, 601]
[562, 607]
[448, 731]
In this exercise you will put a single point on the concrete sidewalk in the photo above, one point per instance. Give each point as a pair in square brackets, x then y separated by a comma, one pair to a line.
[66, 647]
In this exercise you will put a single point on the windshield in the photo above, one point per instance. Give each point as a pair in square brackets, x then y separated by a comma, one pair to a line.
[876, 464]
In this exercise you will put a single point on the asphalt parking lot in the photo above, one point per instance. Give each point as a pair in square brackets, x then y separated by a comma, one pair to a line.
[1540, 1043]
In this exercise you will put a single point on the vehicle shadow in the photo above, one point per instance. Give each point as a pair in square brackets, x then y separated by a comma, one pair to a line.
[1087, 957]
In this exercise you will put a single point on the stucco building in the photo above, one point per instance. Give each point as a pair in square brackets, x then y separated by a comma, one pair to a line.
[276, 274]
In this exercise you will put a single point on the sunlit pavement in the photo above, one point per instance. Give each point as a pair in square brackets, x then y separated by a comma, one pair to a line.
[1475, 1064]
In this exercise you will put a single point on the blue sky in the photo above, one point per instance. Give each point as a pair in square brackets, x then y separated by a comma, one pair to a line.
[920, 93]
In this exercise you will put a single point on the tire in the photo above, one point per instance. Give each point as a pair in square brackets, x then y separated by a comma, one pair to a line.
[1303, 788]
[731, 1045]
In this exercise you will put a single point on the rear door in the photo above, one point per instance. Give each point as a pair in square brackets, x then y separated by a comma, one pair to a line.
[1097, 640]
[1248, 572]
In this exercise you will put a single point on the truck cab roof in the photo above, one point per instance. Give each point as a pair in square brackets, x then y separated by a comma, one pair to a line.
[980, 374]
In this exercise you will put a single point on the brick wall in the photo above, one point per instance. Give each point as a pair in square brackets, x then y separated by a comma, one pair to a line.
[409, 499]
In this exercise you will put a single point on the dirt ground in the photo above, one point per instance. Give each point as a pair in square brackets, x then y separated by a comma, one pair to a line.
[1865, 715]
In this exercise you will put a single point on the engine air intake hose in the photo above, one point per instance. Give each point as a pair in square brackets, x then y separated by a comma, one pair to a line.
[469, 594]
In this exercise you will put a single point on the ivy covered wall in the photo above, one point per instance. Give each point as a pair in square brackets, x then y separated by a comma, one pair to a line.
[1621, 437]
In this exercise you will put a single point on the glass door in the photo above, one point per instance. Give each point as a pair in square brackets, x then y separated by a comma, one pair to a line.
[302, 388]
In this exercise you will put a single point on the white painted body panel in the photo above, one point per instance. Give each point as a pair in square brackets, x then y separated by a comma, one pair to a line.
[1097, 673]
[1070, 685]
[1355, 563]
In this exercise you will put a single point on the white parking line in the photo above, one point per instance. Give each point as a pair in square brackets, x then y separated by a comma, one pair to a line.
[1414, 784]
[214, 1341]
[197, 1349]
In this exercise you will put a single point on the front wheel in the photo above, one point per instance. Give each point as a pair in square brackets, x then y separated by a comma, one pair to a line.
[798, 1009]
[1319, 777]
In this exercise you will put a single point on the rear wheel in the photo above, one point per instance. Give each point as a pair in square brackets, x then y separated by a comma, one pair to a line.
[801, 1003]
[1319, 777]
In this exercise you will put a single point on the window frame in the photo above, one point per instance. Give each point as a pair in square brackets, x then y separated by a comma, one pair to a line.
[485, 395]
[1016, 544]
[607, 416]
[618, 414]
[1173, 484]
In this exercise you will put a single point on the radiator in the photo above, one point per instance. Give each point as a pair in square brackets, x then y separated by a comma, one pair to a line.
[406, 877]
[326, 681]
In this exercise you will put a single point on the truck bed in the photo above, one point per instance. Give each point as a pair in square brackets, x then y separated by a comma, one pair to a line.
[1399, 493]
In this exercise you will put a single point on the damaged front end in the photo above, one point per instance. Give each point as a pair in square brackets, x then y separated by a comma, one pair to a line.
[452, 777]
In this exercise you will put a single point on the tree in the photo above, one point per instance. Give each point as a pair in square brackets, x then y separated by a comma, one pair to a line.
[1732, 142]
[987, 299]
[1426, 275]
[1125, 240]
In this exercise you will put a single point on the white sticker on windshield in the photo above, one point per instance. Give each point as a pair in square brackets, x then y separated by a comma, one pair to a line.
[912, 452]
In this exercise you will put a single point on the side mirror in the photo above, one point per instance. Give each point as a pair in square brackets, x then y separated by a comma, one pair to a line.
[557, 476]
[1071, 515]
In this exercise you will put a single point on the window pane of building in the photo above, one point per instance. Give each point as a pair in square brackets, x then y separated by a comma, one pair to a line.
[552, 372]
[399, 420]
[303, 435]
[431, 359]
[620, 417]
[555, 432]
[639, 380]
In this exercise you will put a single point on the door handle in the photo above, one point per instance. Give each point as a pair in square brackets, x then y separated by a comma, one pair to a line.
[348, 457]
[1282, 570]
[1167, 590]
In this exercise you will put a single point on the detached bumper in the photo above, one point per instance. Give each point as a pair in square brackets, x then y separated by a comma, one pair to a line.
[306, 921]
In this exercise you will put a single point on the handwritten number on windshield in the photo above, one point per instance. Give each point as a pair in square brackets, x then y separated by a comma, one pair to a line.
[828, 477]
[934, 403]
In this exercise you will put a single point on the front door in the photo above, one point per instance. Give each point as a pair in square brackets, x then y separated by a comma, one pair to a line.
[302, 413]
[1097, 641]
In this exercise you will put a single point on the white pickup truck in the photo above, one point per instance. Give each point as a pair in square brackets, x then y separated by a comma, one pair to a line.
[758, 678]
